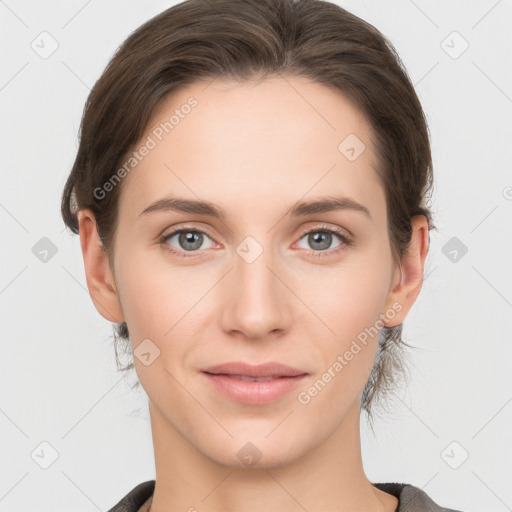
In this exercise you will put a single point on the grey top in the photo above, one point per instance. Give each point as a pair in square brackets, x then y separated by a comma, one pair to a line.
[410, 498]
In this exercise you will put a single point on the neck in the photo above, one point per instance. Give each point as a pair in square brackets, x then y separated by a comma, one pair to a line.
[328, 477]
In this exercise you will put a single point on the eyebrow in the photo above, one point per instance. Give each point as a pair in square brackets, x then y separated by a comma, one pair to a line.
[299, 209]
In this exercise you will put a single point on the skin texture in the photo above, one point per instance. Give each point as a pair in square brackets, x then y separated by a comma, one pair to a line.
[255, 149]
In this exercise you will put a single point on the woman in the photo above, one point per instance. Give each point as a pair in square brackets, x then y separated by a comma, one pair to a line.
[223, 143]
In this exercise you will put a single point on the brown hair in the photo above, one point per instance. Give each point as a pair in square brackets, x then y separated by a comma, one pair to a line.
[243, 40]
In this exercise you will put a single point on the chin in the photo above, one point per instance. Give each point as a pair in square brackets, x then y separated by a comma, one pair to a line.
[258, 452]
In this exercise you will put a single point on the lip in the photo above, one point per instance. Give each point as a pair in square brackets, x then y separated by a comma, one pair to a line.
[253, 392]
[283, 379]
[271, 369]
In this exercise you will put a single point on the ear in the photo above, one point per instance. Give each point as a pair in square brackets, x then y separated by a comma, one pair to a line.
[100, 279]
[407, 283]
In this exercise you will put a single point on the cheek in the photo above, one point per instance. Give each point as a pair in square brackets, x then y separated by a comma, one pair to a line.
[350, 305]
[347, 299]
[141, 291]
[158, 296]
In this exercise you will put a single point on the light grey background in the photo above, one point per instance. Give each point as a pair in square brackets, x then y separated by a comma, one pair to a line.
[58, 380]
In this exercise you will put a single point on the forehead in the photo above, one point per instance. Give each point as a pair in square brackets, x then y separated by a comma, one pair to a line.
[232, 142]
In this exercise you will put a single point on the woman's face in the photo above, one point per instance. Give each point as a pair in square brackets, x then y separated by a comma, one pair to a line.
[254, 286]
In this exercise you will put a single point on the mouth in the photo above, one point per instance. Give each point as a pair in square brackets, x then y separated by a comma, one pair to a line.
[245, 371]
[254, 385]
[250, 379]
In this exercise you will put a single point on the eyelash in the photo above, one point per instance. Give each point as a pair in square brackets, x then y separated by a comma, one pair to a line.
[345, 239]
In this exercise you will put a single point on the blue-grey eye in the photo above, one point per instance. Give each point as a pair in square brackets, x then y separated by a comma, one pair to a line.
[320, 239]
[188, 239]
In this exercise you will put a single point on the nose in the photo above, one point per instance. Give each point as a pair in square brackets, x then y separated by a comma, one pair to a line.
[256, 300]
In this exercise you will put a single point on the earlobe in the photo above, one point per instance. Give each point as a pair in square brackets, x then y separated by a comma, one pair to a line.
[408, 286]
[100, 279]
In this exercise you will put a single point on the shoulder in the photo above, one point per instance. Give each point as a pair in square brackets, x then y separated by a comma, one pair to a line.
[411, 498]
[135, 498]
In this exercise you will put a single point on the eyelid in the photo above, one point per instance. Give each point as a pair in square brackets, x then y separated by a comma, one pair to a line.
[167, 234]
[345, 236]
[344, 233]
